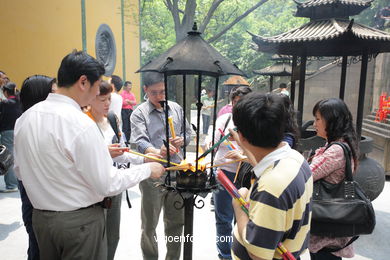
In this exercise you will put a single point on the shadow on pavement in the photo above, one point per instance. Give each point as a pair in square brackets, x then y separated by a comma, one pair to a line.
[6, 229]
[376, 245]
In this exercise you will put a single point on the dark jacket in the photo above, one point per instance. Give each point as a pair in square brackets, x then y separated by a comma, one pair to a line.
[10, 110]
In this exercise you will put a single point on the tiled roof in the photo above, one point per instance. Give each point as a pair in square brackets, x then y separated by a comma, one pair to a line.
[278, 57]
[311, 3]
[320, 33]
[236, 80]
[326, 29]
[278, 69]
[320, 9]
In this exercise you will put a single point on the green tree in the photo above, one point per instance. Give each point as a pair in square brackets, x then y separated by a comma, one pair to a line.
[223, 23]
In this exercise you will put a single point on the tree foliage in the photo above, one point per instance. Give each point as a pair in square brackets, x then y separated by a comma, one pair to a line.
[367, 16]
[267, 18]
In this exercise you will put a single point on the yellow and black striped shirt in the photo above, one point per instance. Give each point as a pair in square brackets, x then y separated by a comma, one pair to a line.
[280, 208]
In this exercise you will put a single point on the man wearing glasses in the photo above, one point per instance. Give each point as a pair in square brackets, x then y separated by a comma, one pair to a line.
[148, 132]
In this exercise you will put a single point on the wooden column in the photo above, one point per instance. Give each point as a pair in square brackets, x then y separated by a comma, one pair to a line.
[271, 83]
[293, 70]
[362, 91]
[343, 77]
[302, 74]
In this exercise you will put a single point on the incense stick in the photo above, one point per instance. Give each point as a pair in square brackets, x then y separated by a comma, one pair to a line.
[222, 164]
[179, 167]
[238, 169]
[150, 157]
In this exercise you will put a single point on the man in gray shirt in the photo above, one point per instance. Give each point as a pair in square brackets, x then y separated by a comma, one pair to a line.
[148, 132]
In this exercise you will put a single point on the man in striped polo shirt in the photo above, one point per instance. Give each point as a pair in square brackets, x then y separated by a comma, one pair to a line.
[280, 197]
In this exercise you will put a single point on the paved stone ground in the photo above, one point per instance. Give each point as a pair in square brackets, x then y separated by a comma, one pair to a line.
[13, 238]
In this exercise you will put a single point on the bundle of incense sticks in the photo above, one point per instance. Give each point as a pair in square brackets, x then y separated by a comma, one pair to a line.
[232, 190]
[214, 146]
[227, 142]
[150, 157]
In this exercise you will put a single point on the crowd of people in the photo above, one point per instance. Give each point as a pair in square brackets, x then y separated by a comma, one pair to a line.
[70, 138]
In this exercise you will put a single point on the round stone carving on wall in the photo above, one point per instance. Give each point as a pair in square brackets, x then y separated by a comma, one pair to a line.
[105, 48]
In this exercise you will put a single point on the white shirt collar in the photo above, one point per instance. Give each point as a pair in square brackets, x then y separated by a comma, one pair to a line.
[62, 98]
[270, 158]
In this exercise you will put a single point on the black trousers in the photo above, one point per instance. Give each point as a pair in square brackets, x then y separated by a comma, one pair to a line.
[126, 129]
[321, 255]
[27, 208]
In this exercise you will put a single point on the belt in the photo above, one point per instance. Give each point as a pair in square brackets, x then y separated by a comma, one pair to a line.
[98, 204]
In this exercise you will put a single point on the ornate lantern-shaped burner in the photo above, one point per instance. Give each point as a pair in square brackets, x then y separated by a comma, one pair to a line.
[191, 56]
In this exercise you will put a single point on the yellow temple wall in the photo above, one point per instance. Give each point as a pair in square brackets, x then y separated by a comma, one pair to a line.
[36, 35]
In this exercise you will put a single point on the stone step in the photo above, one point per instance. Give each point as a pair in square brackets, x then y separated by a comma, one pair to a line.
[377, 124]
[372, 118]
[378, 129]
[374, 114]
[373, 132]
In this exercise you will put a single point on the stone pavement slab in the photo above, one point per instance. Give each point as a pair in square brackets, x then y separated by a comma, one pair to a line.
[13, 238]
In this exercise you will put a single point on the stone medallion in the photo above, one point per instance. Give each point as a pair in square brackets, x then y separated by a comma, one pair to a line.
[105, 48]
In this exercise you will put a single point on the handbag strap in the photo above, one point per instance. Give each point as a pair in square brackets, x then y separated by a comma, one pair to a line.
[331, 250]
[347, 156]
[224, 128]
[113, 120]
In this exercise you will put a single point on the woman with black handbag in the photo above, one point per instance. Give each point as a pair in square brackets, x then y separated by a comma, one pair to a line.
[333, 121]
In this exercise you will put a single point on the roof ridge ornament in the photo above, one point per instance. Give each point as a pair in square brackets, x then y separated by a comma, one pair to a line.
[349, 27]
[337, 26]
[194, 30]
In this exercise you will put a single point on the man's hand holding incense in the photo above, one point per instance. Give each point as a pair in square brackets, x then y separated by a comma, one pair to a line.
[177, 141]
[163, 150]
[115, 150]
[235, 155]
[241, 217]
[236, 137]
[156, 170]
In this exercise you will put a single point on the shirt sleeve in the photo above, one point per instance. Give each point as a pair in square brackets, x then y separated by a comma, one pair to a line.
[129, 158]
[132, 97]
[139, 135]
[325, 162]
[93, 163]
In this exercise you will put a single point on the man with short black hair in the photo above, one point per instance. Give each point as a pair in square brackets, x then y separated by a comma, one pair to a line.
[129, 101]
[116, 99]
[147, 133]
[283, 89]
[280, 197]
[66, 168]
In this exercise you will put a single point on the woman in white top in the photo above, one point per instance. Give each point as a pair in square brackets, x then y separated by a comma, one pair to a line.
[222, 201]
[98, 112]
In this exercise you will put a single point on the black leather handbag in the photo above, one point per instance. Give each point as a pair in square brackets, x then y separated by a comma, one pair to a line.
[341, 210]
[6, 160]
[244, 175]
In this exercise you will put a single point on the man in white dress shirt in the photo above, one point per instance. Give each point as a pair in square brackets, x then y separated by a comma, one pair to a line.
[66, 168]
[116, 99]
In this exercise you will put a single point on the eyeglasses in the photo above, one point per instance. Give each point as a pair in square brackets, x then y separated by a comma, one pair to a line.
[157, 93]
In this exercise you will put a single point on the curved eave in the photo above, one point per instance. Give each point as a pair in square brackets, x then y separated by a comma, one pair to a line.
[281, 69]
[326, 38]
[312, 3]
